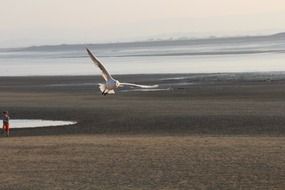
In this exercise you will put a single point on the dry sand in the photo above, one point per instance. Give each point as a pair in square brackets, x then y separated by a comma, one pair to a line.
[223, 131]
[142, 162]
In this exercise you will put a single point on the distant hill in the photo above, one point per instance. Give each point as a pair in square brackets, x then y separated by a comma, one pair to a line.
[282, 34]
[161, 42]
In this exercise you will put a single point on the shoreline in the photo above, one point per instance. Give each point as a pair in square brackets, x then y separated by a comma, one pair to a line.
[141, 74]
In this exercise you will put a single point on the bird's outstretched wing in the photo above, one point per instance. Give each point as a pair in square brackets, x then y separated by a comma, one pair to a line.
[138, 85]
[105, 73]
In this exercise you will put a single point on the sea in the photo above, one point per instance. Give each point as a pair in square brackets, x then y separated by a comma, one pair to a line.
[211, 55]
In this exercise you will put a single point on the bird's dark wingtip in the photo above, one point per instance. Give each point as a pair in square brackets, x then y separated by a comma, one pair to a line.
[89, 52]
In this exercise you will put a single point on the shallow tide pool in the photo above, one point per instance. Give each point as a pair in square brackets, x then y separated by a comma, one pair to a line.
[33, 123]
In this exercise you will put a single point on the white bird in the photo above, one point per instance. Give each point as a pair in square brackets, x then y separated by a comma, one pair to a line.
[111, 83]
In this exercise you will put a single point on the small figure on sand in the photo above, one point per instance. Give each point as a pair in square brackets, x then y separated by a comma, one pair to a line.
[6, 127]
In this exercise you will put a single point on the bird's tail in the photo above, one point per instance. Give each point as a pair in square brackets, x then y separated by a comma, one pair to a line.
[102, 88]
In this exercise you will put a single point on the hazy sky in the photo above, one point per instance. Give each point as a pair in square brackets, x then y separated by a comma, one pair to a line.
[36, 22]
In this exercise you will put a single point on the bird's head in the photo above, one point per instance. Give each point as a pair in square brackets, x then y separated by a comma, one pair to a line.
[117, 83]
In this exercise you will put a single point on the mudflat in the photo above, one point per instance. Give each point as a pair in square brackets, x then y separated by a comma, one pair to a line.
[197, 131]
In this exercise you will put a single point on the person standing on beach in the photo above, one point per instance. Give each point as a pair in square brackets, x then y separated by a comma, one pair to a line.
[6, 127]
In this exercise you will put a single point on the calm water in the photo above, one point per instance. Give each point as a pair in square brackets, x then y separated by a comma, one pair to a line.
[198, 56]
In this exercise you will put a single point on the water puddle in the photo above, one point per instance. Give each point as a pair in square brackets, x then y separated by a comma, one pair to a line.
[33, 123]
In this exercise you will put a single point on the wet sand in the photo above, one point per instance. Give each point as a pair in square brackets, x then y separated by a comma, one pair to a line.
[200, 131]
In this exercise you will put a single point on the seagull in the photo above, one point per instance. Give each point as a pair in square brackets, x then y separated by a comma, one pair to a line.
[110, 83]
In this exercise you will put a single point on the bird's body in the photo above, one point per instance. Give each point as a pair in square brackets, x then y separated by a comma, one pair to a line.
[109, 87]
[110, 83]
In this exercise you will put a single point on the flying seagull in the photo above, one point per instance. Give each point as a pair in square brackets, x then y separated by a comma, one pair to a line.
[110, 83]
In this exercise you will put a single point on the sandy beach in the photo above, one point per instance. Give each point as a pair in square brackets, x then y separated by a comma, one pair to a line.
[198, 131]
